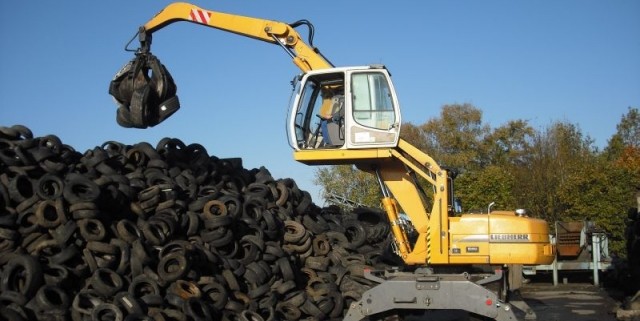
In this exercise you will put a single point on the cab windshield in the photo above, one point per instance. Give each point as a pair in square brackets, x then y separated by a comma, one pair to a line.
[320, 105]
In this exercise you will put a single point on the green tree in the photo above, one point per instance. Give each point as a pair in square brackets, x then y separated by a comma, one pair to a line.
[414, 135]
[346, 181]
[492, 180]
[455, 138]
[623, 153]
[627, 135]
[621, 163]
[554, 154]
[596, 191]
[477, 189]
[629, 128]
[508, 144]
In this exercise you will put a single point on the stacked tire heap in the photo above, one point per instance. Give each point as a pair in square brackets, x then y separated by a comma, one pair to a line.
[133, 232]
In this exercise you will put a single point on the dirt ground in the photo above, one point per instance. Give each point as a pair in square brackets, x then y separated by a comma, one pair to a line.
[577, 300]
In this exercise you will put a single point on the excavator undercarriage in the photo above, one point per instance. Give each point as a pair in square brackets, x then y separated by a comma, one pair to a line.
[407, 294]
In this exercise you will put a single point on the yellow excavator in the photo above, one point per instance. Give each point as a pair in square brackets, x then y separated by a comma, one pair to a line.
[351, 115]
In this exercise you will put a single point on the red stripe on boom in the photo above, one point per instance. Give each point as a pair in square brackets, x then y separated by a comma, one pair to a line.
[200, 16]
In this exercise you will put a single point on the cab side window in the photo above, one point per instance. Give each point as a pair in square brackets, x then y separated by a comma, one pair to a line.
[372, 102]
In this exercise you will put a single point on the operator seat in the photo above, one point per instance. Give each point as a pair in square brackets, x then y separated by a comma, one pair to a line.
[333, 128]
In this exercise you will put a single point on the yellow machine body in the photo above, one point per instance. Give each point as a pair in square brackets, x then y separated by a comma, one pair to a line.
[499, 237]
[351, 116]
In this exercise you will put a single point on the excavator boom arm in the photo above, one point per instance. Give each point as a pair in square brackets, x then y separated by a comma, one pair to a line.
[304, 55]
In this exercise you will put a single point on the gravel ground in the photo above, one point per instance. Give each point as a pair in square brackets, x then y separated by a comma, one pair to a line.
[580, 301]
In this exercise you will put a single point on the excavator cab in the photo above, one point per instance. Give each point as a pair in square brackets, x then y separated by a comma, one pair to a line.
[344, 108]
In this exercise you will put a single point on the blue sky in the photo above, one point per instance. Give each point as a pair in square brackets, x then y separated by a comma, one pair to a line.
[541, 61]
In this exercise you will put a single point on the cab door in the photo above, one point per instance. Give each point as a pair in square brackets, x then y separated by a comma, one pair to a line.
[344, 108]
[374, 117]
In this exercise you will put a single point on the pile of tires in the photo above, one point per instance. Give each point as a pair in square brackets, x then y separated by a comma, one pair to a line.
[169, 232]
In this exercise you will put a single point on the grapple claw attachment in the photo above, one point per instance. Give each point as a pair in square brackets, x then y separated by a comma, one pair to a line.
[144, 92]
